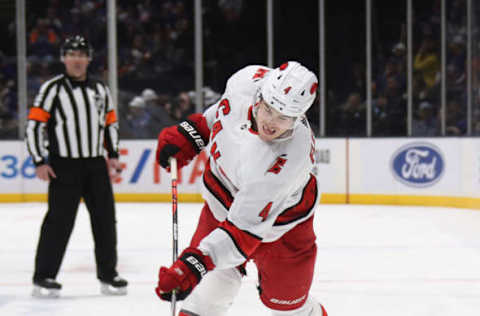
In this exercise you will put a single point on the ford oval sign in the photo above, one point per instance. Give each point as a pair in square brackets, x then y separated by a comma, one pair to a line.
[418, 164]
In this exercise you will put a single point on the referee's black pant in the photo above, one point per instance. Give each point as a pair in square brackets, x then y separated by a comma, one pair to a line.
[77, 178]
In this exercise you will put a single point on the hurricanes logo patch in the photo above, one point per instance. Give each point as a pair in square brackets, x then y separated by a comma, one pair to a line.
[278, 165]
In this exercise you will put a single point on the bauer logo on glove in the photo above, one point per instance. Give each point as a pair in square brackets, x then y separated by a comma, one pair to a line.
[183, 141]
[192, 132]
[184, 275]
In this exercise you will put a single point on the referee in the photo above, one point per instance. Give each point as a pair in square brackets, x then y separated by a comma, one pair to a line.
[72, 122]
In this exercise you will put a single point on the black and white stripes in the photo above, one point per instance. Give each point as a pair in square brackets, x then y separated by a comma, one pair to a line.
[78, 117]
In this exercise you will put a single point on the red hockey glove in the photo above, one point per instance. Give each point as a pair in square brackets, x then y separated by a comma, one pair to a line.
[184, 275]
[183, 141]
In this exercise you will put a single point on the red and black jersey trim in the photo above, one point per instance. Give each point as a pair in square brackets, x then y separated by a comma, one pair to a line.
[216, 187]
[244, 241]
[303, 207]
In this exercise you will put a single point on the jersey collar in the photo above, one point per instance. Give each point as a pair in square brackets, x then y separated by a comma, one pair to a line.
[76, 83]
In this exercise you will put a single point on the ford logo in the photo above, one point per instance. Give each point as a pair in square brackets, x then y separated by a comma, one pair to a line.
[418, 164]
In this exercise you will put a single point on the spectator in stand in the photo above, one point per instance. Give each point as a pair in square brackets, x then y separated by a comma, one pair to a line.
[425, 122]
[8, 67]
[476, 122]
[43, 41]
[160, 48]
[457, 54]
[427, 63]
[140, 58]
[232, 9]
[352, 117]
[74, 24]
[137, 123]
[209, 97]
[399, 55]
[394, 109]
[185, 104]
[52, 18]
[456, 123]
[8, 97]
[456, 17]
[174, 110]
[149, 95]
[356, 81]
[155, 107]
[379, 116]
[391, 70]
[456, 83]
[8, 109]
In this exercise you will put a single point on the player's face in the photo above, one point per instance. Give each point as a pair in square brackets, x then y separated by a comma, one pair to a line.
[76, 63]
[271, 123]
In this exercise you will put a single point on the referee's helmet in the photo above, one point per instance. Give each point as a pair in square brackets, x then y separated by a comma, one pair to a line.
[76, 42]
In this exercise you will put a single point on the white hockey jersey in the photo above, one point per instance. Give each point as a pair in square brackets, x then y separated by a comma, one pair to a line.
[258, 190]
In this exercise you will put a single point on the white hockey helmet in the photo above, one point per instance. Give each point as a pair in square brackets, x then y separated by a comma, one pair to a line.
[290, 89]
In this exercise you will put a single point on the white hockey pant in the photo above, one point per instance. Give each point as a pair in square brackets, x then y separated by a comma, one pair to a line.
[218, 289]
[215, 294]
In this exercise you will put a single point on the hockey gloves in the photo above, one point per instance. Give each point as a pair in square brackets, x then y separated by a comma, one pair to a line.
[183, 141]
[184, 275]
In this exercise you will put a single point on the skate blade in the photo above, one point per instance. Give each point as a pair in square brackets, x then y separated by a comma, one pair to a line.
[41, 292]
[107, 289]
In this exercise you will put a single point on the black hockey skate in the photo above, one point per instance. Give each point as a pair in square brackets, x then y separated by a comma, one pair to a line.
[115, 286]
[46, 288]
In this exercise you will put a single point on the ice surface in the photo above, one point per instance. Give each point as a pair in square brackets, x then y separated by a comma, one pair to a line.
[372, 260]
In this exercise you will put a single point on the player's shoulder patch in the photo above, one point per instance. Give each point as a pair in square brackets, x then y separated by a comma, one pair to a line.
[247, 78]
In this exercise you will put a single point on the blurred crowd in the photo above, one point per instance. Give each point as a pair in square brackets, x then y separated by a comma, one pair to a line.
[146, 113]
[155, 49]
[156, 66]
[389, 86]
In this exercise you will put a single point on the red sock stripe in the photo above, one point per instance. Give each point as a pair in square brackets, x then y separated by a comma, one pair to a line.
[245, 242]
[216, 187]
[303, 207]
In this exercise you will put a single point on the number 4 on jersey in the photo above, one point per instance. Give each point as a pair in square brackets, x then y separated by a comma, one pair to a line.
[264, 213]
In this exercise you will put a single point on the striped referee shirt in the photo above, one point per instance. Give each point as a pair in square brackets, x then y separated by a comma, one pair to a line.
[72, 119]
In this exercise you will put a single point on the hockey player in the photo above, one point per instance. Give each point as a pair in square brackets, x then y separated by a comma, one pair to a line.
[260, 195]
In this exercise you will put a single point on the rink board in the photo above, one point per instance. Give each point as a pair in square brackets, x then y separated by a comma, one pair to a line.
[397, 171]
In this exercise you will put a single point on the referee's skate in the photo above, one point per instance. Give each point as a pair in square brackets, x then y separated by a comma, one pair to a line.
[115, 286]
[46, 288]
